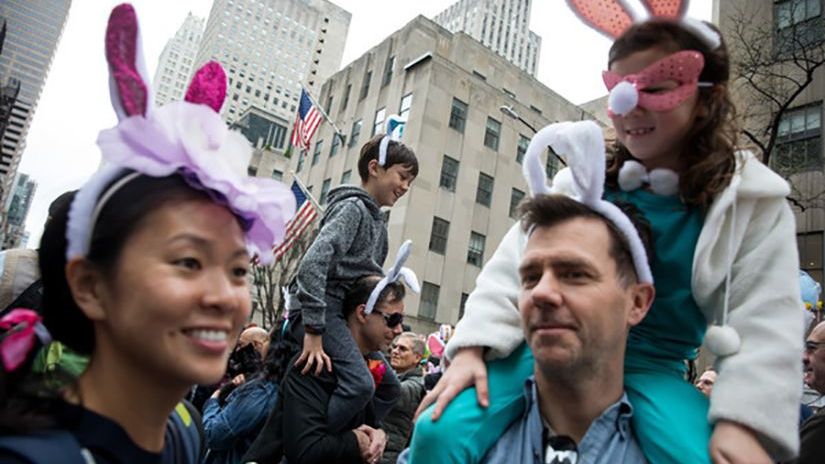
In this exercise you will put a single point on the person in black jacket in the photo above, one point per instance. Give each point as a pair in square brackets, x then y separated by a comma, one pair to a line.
[297, 430]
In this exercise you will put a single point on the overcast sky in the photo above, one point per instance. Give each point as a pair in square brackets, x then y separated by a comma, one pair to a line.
[74, 106]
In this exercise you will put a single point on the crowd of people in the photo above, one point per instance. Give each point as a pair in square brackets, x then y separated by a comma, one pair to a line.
[125, 337]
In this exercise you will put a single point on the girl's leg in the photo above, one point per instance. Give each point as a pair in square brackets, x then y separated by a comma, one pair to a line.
[466, 431]
[670, 417]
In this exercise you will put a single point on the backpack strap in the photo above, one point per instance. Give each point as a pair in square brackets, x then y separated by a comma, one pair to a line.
[185, 429]
[47, 446]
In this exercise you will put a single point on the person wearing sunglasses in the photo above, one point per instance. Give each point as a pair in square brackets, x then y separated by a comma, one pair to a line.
[297, 429]
[812, 432]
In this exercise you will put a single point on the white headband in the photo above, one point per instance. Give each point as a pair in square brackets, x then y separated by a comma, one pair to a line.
[396, 272]
[583, 144]
[394, 129]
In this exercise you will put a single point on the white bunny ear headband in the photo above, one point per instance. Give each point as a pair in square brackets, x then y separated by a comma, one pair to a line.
[613, 17]
[394, 129]
[397, 272]
[583, 144]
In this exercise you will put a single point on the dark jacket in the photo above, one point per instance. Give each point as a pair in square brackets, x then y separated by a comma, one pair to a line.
[398, 423]
[812, 437]
[230, 429]
[352, 243]
[296, 430]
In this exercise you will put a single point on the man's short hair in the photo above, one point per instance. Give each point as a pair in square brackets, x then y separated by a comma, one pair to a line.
[552, 210]
[360, 291]
[418, 342]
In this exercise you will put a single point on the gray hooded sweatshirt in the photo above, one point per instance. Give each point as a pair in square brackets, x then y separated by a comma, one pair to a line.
[352, 243]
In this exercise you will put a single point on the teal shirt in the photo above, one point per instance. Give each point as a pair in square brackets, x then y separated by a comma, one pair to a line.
[675, 326]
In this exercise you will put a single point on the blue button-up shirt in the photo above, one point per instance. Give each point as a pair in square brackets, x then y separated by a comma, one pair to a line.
[608, 440]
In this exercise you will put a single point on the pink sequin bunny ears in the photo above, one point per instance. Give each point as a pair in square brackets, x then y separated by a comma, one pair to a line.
[583, 144]
[187, 138]
[613, 17]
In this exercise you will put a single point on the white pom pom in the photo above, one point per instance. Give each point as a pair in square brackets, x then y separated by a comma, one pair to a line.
[664, 182]
[631, 175]
[623, 98]
[722, 340]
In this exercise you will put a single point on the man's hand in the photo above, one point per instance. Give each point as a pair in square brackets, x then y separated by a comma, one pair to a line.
[363, 443]
[378, 441]
[732, 443]
[466, 369]
[313, 354]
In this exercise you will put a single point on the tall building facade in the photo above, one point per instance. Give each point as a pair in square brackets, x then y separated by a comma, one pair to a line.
[271, 48]
[15, 235]
[33, 29]
[501, 25]
[176, 62]
[786, 31]
[451, 89]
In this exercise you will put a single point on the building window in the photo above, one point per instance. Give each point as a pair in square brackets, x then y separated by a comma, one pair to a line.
[322, 200]
[385, 216]
[345, 101]
[462, 304]
[277, 175]
[328, 107]
[492, 133]
[475, 252]
[810, 247]
[553, 164]
[438, 235]
[345, 176]
[458, 115]
[799, 140]
[378, 123]
[300, 161]
[798, 24]
[365, 86]
[388, 71]
[449, 173]
[516, 196]
[484, 192]
[355, 133]
[251, 170]
[406, 104]
[429, 301]
[523, 143]
[336, 142]
[316, 155]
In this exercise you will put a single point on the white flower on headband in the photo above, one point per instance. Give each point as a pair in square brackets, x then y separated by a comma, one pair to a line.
[397, 272]
[583, 143]
[394, 129]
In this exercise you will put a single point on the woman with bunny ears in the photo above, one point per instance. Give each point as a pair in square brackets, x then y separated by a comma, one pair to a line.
[724, 250]
[145, 272]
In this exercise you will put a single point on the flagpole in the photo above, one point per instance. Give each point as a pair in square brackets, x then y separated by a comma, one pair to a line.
[306, 192]
[325, 115]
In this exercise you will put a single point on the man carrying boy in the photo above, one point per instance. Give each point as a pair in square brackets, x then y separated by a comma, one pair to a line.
[352, 243]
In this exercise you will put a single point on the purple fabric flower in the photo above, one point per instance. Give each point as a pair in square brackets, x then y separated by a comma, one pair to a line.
[187, 138]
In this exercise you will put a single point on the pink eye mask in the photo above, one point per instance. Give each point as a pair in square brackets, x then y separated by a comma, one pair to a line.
[627, 92]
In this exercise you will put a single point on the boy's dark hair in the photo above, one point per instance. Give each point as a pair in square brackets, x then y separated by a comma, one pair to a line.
[397, 153]
[552, 210]
[711, 142]
[360, 291]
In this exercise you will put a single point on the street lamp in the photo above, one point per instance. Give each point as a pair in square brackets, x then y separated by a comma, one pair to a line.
[511, 113]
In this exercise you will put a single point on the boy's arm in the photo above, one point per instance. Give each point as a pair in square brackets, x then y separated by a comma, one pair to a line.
[492, 318]
[333, 240]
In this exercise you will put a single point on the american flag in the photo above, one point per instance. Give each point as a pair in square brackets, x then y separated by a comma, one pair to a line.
[296, 226]
[306, 122]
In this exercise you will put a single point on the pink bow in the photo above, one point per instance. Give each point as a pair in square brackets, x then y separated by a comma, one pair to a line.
[19, 336]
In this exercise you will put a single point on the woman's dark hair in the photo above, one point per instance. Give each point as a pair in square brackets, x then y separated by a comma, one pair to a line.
[710, 144]
[397, 153]
[120, 217]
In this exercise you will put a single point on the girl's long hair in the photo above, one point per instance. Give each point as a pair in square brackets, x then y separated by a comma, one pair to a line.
[710, 144]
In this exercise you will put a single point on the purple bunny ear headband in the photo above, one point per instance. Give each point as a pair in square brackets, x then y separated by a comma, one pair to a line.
[583, 143]
[397, 272]
[187, 138]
